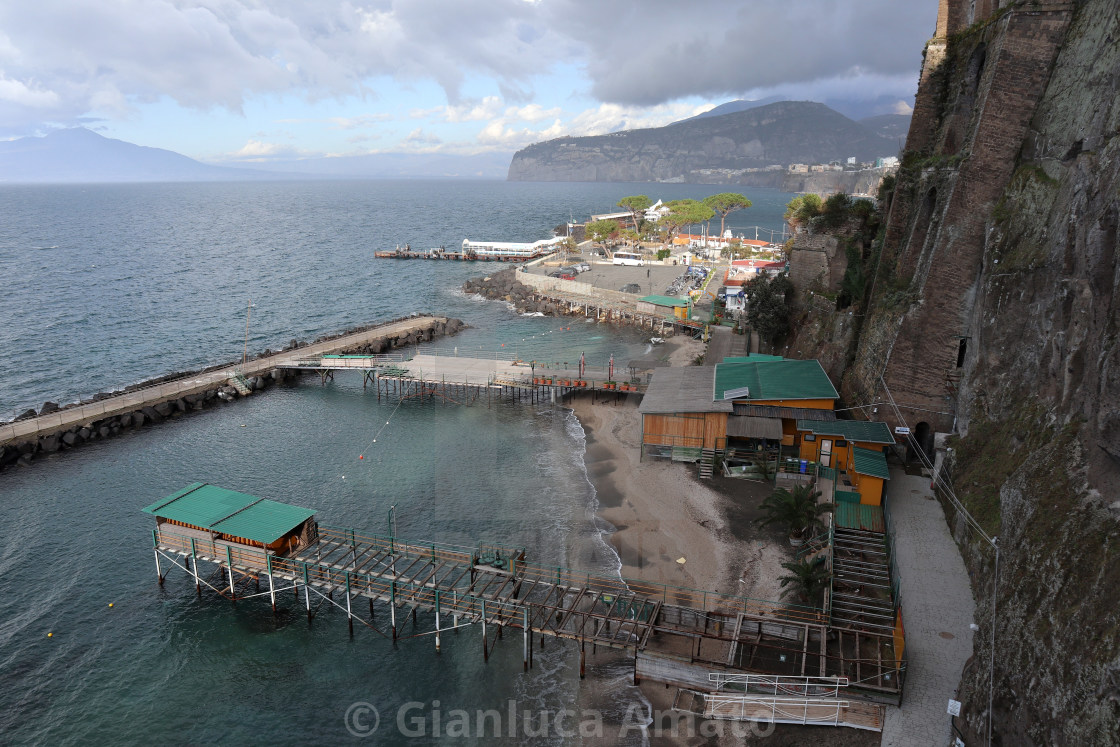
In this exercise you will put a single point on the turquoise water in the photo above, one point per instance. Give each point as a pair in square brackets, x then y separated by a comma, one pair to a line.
[106, 285]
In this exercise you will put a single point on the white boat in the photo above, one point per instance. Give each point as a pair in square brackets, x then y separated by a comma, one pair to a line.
[657, 340]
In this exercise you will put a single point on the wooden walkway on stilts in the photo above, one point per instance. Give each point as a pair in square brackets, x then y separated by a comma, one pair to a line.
[676, 635]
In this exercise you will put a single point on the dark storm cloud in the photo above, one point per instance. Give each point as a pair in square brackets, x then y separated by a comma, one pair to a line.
[650, 52]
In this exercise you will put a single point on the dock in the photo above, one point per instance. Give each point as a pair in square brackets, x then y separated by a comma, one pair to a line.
[467, 377]
[729, 656]
[234, 375]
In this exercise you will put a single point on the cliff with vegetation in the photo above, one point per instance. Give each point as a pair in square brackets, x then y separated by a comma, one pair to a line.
[992, 312]
[746, 147]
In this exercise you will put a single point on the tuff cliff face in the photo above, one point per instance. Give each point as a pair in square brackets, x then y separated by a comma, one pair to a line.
[994, 316]
[753, 146]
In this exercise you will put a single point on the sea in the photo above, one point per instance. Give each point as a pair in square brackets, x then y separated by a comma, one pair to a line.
[102, 286]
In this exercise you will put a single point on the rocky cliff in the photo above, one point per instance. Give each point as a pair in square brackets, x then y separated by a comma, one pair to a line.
[993, 316]
[735, 148]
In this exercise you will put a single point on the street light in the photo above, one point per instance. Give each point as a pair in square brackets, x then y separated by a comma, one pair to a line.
[245, 351]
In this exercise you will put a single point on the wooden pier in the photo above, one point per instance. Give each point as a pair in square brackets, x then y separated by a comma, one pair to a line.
[696, 640]
[465, 379]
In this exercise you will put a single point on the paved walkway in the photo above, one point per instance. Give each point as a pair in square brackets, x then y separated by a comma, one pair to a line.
[63, 419]
[937, 609]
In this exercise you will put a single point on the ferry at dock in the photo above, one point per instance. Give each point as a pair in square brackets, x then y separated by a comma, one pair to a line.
[479, 251]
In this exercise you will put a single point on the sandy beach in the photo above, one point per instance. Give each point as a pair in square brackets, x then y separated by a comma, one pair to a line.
[662, 512]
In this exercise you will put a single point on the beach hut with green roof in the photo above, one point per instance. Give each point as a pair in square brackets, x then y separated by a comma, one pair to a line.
[223, 517]
[855, 449]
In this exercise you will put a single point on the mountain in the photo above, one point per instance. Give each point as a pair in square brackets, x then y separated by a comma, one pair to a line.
[893, 126]
[740, 147]
[81, 155]
[738, 105]
[396, 166]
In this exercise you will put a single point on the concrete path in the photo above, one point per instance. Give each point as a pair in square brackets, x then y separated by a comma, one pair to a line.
[64, 419]
[937, 609]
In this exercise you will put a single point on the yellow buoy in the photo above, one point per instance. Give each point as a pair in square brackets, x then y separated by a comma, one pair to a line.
[50, 635]
[110, 604]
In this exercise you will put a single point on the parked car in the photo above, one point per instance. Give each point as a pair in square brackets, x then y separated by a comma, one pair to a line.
[631, 288]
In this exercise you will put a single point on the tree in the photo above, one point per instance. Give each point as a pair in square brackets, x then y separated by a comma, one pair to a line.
[725, 203]
[637, 206]
[796, 510]
[806, 580]
[835, 210]
[685, 213]
[601, 230]
[768, 310]
[802, 209]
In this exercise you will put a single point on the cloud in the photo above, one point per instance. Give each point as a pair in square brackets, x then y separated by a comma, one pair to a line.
[260, 151]
[61, 60]
[657, 51]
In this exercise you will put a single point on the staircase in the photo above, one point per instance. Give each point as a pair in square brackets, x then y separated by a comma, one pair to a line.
[707, 463]
[241, 384]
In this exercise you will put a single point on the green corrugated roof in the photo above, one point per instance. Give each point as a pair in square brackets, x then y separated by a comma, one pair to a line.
[664, 301]
[868, 462]
[859, 516]
[867, 431]
[773, 380]
[230, 512]
[754, 358]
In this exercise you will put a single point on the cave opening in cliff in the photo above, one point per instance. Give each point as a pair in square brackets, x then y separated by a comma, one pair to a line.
[921, 439]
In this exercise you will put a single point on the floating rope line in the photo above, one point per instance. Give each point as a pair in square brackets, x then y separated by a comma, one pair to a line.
[372, 441]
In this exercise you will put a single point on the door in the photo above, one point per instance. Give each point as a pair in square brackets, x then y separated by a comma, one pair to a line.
[826, 452]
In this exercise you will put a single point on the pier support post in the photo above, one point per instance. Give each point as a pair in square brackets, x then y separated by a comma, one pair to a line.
[393, 607]
[437, 621]
[194, 569]
[306, 593]
[582, 661]
[349, 614]
[159, 571]
[271, 587]
[485, 653]
[229, 566]
[525, 640]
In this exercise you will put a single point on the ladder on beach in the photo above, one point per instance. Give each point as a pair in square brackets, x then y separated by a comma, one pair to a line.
[707, 463]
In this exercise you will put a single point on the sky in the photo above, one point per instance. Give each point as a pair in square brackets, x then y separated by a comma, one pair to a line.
[256, 80]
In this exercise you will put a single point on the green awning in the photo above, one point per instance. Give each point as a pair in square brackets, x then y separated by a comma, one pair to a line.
[229, 512]
[865, 431]
[868, 462]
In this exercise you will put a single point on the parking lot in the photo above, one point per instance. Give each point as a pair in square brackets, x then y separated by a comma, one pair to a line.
[652, 279]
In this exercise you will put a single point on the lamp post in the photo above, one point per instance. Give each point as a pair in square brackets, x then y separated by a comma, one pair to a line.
[245, 350]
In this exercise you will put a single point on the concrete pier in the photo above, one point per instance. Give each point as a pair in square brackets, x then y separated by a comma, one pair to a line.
[41, 433]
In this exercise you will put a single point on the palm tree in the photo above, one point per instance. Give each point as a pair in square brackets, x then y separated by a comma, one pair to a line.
[797, 510]
[807, 579]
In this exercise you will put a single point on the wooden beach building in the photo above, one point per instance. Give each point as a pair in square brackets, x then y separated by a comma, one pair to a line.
[215, 519]
[856, 450]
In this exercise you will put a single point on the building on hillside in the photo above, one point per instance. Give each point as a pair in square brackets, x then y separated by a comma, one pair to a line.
[856, 450]
[742, 270]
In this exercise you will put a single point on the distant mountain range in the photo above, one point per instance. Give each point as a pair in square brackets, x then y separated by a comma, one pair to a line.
[81, 155]
[745, 146]
[728, 144]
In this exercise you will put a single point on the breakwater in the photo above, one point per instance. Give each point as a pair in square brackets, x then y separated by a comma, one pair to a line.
[55, 428]
[556, 297]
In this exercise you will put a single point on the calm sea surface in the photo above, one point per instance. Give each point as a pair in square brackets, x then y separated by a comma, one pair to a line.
[107, 285]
